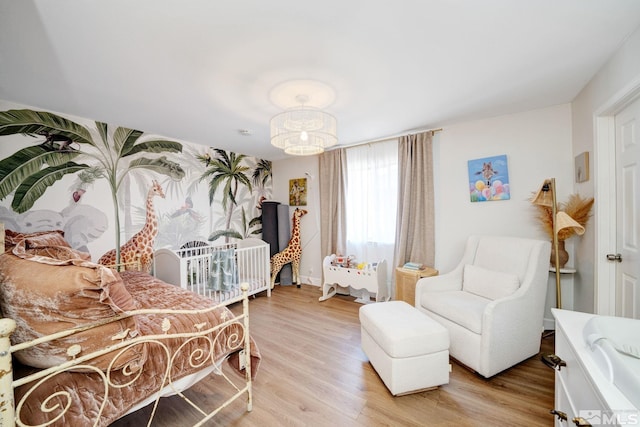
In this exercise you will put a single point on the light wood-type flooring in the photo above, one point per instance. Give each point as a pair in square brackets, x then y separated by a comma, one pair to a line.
[314, 373]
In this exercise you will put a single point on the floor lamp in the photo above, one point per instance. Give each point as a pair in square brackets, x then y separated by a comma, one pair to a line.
[546, 196]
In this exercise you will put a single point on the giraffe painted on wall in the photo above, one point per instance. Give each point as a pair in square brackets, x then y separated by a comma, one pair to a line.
[290, 254]
[139, 248]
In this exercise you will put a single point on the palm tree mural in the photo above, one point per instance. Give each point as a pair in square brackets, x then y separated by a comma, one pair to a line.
[229, 171]
[262, 175]
[70, 148]
[225, 169]
[261, 180]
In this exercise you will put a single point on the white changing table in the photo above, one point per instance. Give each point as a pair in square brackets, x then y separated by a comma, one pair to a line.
[371, 279]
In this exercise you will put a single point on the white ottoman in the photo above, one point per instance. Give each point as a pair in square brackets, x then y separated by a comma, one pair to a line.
[409, 350]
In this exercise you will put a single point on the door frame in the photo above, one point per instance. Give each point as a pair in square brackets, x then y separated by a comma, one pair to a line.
[605, 196]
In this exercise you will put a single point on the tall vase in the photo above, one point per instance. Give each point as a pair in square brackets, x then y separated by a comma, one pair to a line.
[563, 255]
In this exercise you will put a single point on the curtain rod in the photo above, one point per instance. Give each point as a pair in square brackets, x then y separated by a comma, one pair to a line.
[386, 138]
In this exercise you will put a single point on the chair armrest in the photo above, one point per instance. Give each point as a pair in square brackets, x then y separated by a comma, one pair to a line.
[512, 306]
[530, 297]
[528, 300]
[451, 281]
[512, 325]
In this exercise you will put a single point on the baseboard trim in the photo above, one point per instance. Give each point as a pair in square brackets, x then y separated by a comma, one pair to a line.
[549, 324]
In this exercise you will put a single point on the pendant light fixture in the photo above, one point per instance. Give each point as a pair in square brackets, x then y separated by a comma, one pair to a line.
[303, 130]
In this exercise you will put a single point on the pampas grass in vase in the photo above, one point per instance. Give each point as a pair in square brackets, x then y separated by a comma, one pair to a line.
[577, 208]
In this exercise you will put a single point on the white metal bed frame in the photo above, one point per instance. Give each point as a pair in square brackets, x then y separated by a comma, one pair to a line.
[10, 410]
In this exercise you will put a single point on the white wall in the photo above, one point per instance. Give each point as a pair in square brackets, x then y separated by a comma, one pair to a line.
[616, 78]
[538, 146]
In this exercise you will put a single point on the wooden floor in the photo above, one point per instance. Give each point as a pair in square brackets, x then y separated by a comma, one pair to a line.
[314, 373]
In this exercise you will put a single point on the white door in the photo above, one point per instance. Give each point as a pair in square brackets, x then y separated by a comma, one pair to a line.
[628, 211]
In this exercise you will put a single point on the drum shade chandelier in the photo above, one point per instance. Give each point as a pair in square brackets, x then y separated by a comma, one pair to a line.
[303, 130]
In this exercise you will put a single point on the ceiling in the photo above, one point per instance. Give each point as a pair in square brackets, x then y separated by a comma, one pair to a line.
[203, 70]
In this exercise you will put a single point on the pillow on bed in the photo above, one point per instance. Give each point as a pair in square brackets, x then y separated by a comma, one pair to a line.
[488, 283]
[45, 295]
[53, 238]
[45, 243]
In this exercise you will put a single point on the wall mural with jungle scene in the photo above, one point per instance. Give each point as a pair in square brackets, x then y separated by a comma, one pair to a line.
[111, 188]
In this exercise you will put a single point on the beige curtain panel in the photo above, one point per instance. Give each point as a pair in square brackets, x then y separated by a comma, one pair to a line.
[333, 189]
[415, 228]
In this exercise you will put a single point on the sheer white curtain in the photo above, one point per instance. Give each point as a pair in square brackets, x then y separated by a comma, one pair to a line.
[372, 197]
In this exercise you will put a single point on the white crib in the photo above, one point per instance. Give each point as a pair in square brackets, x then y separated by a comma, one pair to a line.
[217, 271]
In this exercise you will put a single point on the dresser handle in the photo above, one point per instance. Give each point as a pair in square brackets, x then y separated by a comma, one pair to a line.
[579, 421]
[553, 361]
[561, 415]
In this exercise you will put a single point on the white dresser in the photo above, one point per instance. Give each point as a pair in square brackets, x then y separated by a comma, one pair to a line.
[584, 396]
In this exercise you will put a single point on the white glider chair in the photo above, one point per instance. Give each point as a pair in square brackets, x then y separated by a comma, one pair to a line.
[492, 303]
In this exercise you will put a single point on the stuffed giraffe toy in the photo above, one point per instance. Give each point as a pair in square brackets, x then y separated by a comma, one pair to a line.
[290, 254]
[140, 247]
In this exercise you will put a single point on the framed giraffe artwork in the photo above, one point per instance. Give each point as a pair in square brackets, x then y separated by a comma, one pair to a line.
[298, 192]
[489, 179]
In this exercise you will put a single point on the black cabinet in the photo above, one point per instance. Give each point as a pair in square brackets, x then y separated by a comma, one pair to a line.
[276, 231]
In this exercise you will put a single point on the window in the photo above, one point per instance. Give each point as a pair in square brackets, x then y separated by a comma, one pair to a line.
[372, 195]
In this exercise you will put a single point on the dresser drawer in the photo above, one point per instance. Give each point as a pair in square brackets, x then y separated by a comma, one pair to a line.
[562, 403]
[581, 394]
